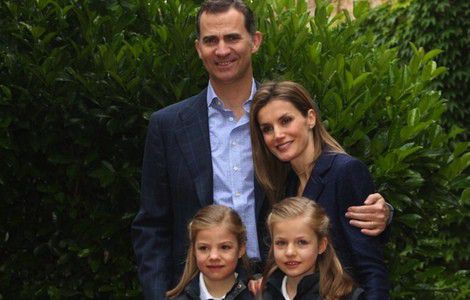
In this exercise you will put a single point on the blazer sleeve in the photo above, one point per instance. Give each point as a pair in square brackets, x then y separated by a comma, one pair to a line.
[354, 183]
[151, 228]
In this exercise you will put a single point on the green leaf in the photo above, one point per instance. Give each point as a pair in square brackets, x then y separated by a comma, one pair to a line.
[410, 220]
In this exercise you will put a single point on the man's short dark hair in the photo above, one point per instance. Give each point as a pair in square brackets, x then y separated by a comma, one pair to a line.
[220, 6]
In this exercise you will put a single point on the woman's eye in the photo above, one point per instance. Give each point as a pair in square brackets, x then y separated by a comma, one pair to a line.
[266, 129]
[286, 120]
[202, 248]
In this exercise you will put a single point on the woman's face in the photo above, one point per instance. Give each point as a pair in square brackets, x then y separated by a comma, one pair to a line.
[296, 247]
[286, 132]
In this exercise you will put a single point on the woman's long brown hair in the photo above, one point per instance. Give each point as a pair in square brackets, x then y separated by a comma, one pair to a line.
[270, 171]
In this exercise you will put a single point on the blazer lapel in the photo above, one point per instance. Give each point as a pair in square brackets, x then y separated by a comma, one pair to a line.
[316, 182]
[193, 139]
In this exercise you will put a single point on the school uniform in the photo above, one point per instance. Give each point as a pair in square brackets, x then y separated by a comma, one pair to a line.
[308, 288]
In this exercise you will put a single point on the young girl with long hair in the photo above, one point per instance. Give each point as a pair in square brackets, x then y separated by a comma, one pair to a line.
[217, 240]
[302, 264]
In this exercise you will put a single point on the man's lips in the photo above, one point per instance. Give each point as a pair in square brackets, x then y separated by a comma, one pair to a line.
[225, 63]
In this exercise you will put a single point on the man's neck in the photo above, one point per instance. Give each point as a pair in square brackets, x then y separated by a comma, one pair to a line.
[233, 94]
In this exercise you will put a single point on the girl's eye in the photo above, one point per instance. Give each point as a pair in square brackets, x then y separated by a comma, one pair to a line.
[302, 242]
[279, 243]
[202, 248]
[226, 247]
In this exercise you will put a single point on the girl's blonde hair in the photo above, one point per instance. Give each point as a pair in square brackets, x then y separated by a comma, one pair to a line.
[206, 218]
[270, 171]
[335, 283]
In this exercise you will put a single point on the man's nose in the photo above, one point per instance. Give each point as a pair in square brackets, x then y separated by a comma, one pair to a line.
[222, 49]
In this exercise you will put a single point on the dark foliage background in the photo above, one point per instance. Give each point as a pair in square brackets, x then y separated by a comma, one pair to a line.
[78, 81]
[432, 24]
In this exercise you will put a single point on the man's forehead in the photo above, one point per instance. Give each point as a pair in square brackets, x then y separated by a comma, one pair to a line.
[222, 23]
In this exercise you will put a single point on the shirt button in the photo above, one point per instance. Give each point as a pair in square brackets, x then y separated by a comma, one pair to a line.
[230, 119]
[234, 143]
[236, 168]
[237, 194]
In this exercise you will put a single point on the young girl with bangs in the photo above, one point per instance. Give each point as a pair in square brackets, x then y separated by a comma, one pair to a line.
[216, 260]
[302, 264]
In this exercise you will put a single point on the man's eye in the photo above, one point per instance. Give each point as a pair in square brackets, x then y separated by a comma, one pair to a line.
[232, 38]
[210, 41]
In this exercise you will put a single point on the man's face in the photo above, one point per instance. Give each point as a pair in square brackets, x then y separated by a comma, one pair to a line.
[225, 46]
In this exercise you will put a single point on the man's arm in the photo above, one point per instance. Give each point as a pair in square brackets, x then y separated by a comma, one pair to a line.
[151, 229]
[372, 217]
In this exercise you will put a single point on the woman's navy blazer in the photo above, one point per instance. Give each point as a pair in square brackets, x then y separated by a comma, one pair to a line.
[337, 182]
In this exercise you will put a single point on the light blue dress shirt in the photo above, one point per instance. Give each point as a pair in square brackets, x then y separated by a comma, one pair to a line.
[232, 163]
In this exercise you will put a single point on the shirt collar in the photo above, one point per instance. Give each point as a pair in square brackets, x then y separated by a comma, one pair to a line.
[204, 293]
[212, 96]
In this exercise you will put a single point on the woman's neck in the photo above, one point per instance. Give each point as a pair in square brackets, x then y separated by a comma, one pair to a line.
[219, 288]
[303, 166]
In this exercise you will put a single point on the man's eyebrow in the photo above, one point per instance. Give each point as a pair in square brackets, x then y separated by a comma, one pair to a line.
[232, 35]
[208, 38]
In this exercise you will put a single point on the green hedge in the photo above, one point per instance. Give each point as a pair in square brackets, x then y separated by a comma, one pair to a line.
[440, 24]
[78, 81]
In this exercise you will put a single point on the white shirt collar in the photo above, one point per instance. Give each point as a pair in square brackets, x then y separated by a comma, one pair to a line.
[284, 288]
[204, 293]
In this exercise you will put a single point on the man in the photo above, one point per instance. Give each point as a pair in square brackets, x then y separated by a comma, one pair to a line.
[198, 152]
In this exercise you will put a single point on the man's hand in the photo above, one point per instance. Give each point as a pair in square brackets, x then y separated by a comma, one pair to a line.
[372, 217]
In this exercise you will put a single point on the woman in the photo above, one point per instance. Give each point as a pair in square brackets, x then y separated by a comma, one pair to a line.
[294, 155]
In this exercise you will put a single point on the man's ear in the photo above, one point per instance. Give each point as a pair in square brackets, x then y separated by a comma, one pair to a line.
[197, 46]
[256, 40]
[322, 245]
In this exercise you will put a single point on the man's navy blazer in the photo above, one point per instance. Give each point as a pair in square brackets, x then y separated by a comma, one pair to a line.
[176, 183]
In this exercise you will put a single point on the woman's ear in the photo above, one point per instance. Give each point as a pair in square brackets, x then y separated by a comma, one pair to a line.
[311, 118]
[323, 243]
